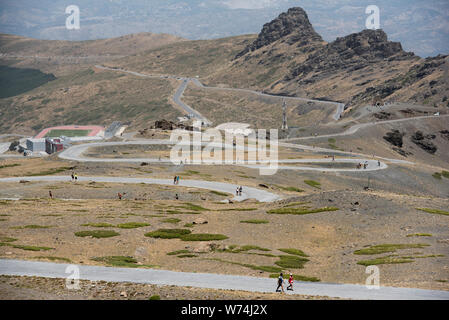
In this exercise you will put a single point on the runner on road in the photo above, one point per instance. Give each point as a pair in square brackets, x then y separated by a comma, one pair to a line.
[290, 283]
[280, 283]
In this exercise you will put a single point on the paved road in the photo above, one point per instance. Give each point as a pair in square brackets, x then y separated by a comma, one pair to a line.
[353, 129]
[75, 153]
[214, 281]
[195, 81]
[247, 192]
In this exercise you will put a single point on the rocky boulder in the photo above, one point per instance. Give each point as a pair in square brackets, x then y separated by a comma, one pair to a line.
[294, 26]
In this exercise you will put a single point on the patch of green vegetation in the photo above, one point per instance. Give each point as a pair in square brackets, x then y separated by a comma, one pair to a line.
[49, 172]
[202, 237]
[253, 267]
[168, 233]
[237, 249]
[290, 189]
[174, 253]
[7, 239]
[54, 258]
[237, 209]
[291, 262]
[255, 221]
[334, 147]
[179, 212]
[51, 215]
[219, 193]
[385, 260]
[188, 255]
[298, 277]
[67, 133]
[419, 235]
[331, 140]
[9, 165]
[118, 261]
[171, 220]
[154, 297]
[188, 225]
[191, 206]
[300, 211]
[97, 234]
[437, 175]
[32, 226]
[434, 211]
[313, 183]
[445, 174]
[25, 247]
[295, 252]
[132, 225]
[98, 225]
[384, 248]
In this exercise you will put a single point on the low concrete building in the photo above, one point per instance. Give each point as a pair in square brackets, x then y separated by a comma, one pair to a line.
[36, 145]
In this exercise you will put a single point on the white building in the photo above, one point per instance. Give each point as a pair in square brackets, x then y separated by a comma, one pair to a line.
[36, 145]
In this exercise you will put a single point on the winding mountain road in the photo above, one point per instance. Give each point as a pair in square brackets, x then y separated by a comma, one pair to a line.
[353, 129]
[75, 153]
[214, 281]
[190, 110]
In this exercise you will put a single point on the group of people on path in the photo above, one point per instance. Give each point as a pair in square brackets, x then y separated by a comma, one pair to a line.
[238, 191]
[176, 180]
[74, 177]
[364, 165]
[281, 283]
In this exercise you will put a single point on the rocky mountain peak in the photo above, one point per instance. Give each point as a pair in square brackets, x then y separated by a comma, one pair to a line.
[294, 25]
[368, 42]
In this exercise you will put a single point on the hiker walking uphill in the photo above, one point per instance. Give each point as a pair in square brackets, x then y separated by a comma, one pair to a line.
[280, 283]
[290, 283]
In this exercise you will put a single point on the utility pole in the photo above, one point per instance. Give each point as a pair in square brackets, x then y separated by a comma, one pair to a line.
[284, 115]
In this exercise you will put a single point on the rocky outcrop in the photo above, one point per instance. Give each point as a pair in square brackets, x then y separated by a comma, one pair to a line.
[423, 141]
[353, 52]
[395, 138]
[292, 26]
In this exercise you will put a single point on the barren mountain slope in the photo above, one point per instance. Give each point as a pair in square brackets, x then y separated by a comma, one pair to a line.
[61, 57]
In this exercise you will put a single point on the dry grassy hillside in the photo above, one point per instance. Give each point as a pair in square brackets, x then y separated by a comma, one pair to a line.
[62, 57]
[89, 97]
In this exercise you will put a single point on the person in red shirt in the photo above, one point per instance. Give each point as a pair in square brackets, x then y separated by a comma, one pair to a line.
[290, 283]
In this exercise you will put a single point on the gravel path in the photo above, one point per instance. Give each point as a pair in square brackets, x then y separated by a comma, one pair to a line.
[247, 192]
[214, 281]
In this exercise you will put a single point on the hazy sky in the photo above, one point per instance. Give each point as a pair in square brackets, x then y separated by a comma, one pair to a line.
[421, 26]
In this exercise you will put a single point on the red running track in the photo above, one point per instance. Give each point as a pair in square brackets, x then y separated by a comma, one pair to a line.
[94, 130]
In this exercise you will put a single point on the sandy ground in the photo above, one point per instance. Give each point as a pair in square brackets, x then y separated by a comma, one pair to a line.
[329, 238]
[35, 288]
